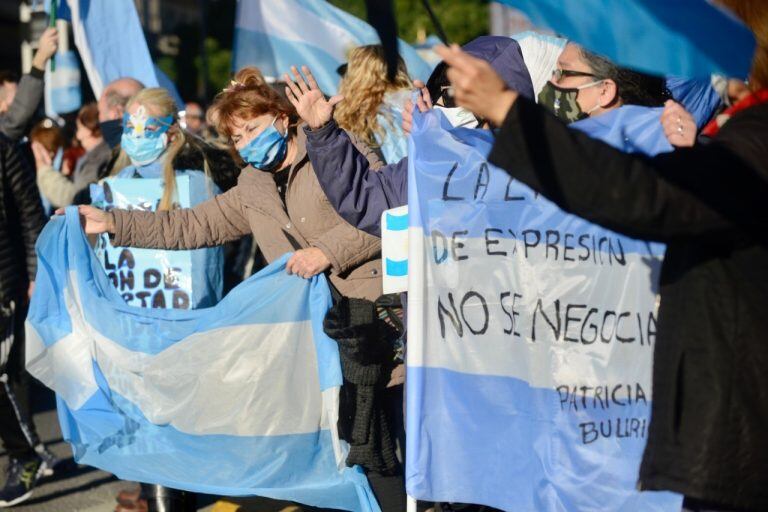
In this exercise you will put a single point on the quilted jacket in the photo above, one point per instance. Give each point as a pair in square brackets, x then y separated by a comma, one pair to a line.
[21, 220]
[306, 219]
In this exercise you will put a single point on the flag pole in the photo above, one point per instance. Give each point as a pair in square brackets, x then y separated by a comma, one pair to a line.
[52, 23]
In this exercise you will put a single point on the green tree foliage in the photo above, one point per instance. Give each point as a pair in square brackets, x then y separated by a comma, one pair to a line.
[219, 65]
[462, 20]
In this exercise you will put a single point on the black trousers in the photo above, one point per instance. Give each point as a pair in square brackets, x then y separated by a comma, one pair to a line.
[694, 505]
[165, 499]
[17, 432]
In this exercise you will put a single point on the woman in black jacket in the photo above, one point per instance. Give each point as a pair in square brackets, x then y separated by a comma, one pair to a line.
[707, 438]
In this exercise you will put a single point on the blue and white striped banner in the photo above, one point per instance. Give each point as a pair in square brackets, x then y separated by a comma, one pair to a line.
[237, 399]
[394, 249]
[111, 43]
[530, 341]
[690, 38]
[274, 35]
[62, 87]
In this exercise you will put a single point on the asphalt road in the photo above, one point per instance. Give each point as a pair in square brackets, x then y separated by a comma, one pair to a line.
[72, 487]
[76, 488]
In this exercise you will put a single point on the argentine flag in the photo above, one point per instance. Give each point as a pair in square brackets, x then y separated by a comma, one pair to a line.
[111, 43]
[530, 338]
[274, 35]
[689, 38]
[238, 399]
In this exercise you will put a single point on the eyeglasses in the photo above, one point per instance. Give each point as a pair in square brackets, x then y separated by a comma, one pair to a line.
[558, 74]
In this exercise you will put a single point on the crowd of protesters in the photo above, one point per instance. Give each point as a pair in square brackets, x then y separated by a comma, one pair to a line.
[290, 169]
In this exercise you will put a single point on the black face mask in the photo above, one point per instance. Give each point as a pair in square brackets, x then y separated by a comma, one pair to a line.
[112, 131]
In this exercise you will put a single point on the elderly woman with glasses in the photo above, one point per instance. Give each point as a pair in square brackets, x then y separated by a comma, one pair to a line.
[584, 85]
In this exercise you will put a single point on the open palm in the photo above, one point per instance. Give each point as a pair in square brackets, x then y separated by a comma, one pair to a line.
[307, 98]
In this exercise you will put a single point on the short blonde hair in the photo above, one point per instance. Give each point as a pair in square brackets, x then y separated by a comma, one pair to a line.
[363, 87]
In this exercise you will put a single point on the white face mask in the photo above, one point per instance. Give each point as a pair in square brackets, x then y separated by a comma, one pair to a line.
[459, 117]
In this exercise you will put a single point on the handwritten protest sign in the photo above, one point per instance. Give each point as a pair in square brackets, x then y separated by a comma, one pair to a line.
[150, 277]
[531, 337]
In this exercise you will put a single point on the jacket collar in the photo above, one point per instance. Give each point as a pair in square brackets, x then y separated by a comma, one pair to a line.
[264, 195]
[301, 152]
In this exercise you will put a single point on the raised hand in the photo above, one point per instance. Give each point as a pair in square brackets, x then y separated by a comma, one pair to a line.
[46, 47]
[307, 98]
[423, 103]
[42, 157]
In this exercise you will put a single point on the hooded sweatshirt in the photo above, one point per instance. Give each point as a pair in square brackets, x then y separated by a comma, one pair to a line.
[361, 194]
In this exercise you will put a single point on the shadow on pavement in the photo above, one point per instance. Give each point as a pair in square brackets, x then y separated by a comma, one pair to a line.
[67, 469]
[73, 490]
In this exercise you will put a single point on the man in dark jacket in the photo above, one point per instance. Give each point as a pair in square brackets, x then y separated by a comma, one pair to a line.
[21, 220]
[709, 420]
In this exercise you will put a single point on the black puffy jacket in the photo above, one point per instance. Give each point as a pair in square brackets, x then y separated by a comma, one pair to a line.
[21, 220]
[708, 437]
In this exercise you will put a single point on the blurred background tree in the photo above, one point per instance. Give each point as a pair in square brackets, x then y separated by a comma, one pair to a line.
[462, 20]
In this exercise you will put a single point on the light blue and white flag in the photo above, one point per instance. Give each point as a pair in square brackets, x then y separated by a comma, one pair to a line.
[691, 38]
[630, 128]
[111, 43]
[274, 35]
[237, 399]
[62, 86]
[530, 341]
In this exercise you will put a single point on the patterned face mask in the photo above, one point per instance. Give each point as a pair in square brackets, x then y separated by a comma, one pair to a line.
[561, 101]
[266, 151]
[144, 137]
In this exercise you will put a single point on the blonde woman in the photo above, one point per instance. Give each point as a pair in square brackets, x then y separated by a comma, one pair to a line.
[372, 107]
[279, 201]
[154, 147]
[151, 140]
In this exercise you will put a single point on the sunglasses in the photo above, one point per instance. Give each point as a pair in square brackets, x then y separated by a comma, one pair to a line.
[446, 92]
[558, 74]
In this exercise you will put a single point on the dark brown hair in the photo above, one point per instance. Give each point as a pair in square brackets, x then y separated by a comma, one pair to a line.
[48, 134]
[88, 116]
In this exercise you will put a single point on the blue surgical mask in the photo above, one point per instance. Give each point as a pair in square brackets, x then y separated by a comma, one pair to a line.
[266, 151]
[144, 137]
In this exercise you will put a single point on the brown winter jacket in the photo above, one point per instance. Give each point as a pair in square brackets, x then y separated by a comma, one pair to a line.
[254, 206]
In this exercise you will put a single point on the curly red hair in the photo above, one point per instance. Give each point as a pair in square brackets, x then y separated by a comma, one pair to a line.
[248, 95]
